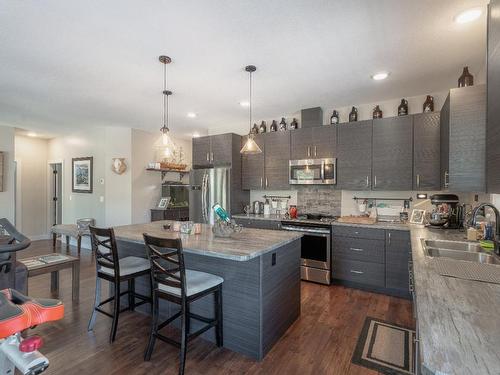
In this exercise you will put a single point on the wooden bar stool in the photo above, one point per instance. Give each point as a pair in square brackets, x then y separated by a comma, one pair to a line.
[173, 282]
[116, 271]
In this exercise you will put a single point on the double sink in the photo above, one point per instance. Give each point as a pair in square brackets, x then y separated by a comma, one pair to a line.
[459, 250]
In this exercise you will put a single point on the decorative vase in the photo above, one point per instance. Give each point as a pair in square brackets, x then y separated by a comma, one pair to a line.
[403, 108]
[353, 116]
[466, 79]
[263, 127]
[273, 127]
[255, 129]
[294, 124]
[377, 112]
[334, 119]
[429, 104]
[282, 124]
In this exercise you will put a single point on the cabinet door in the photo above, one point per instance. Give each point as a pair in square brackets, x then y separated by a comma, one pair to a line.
[301, 143]
[493, 126]
[221, 149]
[277, 158]
[397, 255]
[201, 151]
[252, 176]
[468, 139]
[354, 155]
[426, 152]
[445, 144]
[324, 143]
[393, 153]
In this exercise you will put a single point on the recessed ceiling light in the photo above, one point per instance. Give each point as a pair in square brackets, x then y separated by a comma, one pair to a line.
[192, 115]
[245, 104]
[468, 15]
[380, 76]
[31, 134]
[195, 135]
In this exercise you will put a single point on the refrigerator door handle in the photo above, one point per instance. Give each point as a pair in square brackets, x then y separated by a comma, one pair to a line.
[207, 192]
[203, 197]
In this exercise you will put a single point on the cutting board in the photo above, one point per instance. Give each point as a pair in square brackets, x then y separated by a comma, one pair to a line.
[356, 220]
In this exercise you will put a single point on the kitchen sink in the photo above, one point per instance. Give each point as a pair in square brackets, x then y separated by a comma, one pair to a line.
[459, 250]
[453, 245]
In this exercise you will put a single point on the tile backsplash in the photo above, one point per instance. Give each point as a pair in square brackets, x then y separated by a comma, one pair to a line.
[318, 199]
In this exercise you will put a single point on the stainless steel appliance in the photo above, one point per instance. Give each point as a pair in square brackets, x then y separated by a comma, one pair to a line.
[313, 172]
[258, 207]
[315, 248]
[178, 193]
[447, 212]
[208, 187]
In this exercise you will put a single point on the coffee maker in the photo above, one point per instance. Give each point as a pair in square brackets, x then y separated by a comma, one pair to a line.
[447, 213]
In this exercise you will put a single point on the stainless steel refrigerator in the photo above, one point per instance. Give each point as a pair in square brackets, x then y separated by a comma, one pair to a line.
[208, 187]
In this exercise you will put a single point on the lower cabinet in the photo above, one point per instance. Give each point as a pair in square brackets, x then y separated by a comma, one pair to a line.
[372, 258]
[258, 223]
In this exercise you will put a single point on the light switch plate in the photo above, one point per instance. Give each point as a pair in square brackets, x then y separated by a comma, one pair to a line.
[101, 199]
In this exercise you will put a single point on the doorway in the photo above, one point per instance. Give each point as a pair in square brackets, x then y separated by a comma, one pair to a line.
[55, 193]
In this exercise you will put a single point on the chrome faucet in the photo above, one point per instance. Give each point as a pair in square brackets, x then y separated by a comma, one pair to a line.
[497, 222]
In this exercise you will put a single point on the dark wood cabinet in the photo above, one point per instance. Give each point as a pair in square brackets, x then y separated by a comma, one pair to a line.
[324, 141]
[463, 140]
[258, 223]
[392, 163]
[301, 141]
[426, 151]
[314, 143]
[252, 176]
[173, 213]
[354, 155]
[397, 256]
[201, 151]
[215, 150]
[277, 158]
[493, 119]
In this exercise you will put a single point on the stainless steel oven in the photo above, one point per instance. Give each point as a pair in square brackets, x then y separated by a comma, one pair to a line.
[313, 172]
[315, 250]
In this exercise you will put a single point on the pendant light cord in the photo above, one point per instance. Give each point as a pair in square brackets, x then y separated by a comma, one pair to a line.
[165, 98]
[250, 106]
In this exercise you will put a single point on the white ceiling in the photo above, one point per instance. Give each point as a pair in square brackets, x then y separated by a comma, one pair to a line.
[73, 64]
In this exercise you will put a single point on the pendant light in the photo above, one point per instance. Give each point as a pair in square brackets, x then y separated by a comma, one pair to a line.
[250, 146]
[168, 146]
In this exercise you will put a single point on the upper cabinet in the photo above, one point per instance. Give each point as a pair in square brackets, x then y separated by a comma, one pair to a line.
[354, 157]
[426, 151]
[463, 140]
[269, 169]
[314, 143]
[222, 149]
[392, 163]
[493, 122]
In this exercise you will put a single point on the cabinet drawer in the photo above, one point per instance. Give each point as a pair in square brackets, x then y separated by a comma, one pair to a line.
[259, 224]
[360, 272]
[398, 235]
[359, 232]
[359, 249]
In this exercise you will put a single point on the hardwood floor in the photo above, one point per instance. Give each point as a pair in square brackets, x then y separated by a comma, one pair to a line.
[321, 341]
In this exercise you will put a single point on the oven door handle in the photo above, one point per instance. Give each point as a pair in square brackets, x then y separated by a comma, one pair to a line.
[322, 173]
[324, 232]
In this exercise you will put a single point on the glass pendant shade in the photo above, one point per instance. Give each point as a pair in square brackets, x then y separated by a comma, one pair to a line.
[250, 146]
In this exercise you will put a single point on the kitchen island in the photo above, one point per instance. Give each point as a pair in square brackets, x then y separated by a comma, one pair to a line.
[261, 271]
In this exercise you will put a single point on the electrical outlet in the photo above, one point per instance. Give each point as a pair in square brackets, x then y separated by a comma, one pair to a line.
[101, 199]
[70, 197]
[101, 181]
[476, 198]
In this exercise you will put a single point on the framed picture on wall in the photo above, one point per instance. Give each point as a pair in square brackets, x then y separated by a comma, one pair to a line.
[82, 172]
[164, 202]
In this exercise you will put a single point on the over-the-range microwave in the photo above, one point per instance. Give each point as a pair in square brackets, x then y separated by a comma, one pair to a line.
[313, 171]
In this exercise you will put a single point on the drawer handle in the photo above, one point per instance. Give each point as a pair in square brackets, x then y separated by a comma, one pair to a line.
[356, 232]
[357, 272]
[356, 249]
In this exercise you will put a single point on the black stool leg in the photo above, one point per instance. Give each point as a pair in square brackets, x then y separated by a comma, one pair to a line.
[154, 329]
[188, 320]
[182, 354]
[97, 301]
[131, 294]
[116, 312]
[218, 315]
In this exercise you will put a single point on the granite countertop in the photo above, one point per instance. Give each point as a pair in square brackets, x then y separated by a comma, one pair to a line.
[377, 225]
[458, 319]
[243, 246]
